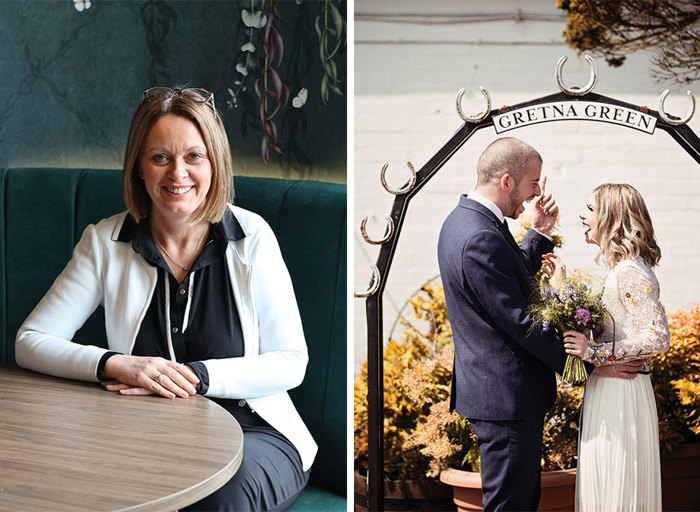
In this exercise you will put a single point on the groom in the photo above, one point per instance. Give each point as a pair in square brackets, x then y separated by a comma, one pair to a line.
[503, 375]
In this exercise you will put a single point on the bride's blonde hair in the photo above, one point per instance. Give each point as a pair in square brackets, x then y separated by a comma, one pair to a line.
[624, 225]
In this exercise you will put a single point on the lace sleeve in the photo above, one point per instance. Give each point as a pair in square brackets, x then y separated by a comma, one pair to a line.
[643, 317]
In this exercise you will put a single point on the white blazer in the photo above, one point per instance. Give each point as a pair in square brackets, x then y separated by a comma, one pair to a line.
[106, 271]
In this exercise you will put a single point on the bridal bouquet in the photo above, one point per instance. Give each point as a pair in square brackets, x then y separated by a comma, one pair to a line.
[573, 307]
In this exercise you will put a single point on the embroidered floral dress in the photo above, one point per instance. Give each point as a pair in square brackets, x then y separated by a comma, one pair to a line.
[618, 462]
[638, 324]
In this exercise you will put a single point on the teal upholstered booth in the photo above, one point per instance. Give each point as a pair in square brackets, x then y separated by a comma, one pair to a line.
[44, 212]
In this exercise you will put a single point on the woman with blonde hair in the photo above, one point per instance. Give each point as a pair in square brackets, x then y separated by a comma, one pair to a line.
[618, 459]
[196, 295]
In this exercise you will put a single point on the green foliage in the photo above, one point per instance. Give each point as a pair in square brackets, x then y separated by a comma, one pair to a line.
[330, 29]
[263, 84]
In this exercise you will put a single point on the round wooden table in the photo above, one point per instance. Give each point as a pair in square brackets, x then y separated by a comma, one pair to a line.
[68, 445]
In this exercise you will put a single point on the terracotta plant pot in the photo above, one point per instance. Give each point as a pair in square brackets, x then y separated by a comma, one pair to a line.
[407, 495]
[680, 478]
[558, 489]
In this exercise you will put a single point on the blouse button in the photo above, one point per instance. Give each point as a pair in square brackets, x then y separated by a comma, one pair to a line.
[175, 329]
[182, 291]
[241, 403]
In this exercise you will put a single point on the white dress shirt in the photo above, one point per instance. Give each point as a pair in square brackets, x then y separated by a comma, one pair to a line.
[495, 209]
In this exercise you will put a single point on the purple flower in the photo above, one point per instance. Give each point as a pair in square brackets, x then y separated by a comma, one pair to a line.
[545, 325]
[582, 316]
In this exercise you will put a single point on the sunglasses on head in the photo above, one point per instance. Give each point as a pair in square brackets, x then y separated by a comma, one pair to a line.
[166, 94]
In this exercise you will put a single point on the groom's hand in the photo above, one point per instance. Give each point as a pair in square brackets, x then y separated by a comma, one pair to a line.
[626, 370]
[545, 211]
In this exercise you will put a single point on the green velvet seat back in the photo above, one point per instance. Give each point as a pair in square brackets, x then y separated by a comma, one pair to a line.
[44, 212]
[316, 258]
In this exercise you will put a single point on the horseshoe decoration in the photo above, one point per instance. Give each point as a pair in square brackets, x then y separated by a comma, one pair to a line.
[405, 189]
[576, 91]
[478, 117]
[374, 283]
[387, 235]
[673, 120]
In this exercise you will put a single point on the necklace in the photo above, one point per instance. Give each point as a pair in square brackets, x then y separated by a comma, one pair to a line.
[184, 267]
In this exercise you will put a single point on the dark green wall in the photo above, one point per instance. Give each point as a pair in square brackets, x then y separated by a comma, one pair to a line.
[71, 80]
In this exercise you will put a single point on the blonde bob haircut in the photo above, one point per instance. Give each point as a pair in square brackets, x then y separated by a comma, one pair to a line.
[136, 198]
[624, 225]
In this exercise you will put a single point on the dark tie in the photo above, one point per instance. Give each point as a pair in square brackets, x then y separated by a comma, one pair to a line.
[509, 237]
[504, 229]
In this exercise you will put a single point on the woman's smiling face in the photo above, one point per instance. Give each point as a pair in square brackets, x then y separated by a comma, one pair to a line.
[589, 217]
[175, 168]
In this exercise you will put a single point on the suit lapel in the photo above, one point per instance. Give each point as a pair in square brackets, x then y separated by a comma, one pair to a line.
[503, 230]
[509, 238]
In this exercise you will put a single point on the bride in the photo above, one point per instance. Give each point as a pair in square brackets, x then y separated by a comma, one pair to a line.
[618, 459]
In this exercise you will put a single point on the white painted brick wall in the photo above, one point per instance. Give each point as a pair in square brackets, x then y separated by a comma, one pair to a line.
[404, 110]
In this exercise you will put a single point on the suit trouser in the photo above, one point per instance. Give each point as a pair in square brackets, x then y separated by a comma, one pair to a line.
[510, 463]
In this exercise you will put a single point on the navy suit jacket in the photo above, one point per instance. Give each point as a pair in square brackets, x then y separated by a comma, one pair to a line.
[500, 372]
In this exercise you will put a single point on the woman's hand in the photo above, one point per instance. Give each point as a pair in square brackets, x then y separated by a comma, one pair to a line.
[115, 385]
[136, 375]
[575, 343]
[554, 267]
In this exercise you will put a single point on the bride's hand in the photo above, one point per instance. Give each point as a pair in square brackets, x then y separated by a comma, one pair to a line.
[575, 343]
[554, 267]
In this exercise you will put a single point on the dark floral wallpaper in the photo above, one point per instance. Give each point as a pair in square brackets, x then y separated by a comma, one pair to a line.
[73, 72]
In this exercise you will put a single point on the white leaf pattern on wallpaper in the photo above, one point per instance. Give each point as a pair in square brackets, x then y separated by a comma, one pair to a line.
[300, 99]
[81, 5]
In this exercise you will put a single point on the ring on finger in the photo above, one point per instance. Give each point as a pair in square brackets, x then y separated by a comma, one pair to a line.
[157, 379]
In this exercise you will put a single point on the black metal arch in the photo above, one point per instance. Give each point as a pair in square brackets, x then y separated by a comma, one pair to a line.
[681, 133]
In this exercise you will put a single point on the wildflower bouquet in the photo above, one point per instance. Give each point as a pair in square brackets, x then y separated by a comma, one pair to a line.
[573, 307]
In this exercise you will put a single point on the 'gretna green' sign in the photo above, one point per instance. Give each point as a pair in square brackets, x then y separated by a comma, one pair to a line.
[583, 110]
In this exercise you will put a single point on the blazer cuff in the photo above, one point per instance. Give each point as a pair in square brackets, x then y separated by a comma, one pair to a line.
[103, 362]
[540, 242]
[542, 234]
[202, 374]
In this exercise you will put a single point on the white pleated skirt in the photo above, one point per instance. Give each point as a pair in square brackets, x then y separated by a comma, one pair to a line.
[618, 453]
